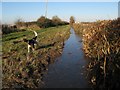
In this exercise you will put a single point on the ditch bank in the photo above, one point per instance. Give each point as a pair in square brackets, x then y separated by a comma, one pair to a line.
[23, 70]
[101, 43]
[68, 70]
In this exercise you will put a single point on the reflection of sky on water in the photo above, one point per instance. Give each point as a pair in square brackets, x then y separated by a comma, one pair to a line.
[67, 70]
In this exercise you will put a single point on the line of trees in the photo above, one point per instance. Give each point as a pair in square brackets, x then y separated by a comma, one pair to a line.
[41, 22]
[46, 22]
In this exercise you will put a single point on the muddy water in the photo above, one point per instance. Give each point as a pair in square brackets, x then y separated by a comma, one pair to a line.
[68, 70]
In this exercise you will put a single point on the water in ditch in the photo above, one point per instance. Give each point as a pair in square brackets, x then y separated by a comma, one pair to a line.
[68, 69]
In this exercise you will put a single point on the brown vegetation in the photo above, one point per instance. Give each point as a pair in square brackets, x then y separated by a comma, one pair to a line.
[6, 29]
[23, 70]
[46, 22]
[101, 42]
[72, 20]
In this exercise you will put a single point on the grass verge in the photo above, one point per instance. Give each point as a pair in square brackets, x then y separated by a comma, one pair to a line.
[23, 70]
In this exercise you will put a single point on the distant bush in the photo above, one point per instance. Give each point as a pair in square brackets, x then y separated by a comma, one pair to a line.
[43, 22]
[72, 20]
[20, 24]
[56, 21]
[8, 29]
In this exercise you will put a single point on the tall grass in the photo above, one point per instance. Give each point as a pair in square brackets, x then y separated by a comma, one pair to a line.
[101, 42]
[23, 70]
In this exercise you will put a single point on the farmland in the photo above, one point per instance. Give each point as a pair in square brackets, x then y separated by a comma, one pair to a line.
[101, 44]
[25, 70]
[78, 44]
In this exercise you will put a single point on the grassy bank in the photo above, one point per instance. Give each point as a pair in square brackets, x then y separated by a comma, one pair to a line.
[21, 69]
[101, 43]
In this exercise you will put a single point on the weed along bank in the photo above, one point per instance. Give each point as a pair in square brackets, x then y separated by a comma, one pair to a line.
[60, 45]
[101, 42]
[68, 70]
[20, 72]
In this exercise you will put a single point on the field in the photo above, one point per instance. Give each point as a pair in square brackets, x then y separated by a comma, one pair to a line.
[21, 69]
[101, 43]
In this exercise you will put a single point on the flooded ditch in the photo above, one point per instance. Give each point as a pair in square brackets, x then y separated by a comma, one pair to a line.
[68, 70]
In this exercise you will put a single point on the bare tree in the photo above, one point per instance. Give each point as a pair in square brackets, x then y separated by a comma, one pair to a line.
[56, 20]
[19, 23]
[72, 20]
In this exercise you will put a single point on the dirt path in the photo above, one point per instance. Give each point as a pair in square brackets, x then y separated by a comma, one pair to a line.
[67, 71]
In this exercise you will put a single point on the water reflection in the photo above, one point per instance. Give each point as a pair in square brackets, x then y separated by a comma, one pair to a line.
[67, 71]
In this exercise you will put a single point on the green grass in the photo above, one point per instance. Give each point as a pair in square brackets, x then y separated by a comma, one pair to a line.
[19, 66]
[43, 36]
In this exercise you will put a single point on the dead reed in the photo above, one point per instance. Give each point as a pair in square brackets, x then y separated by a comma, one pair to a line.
[101, 42]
